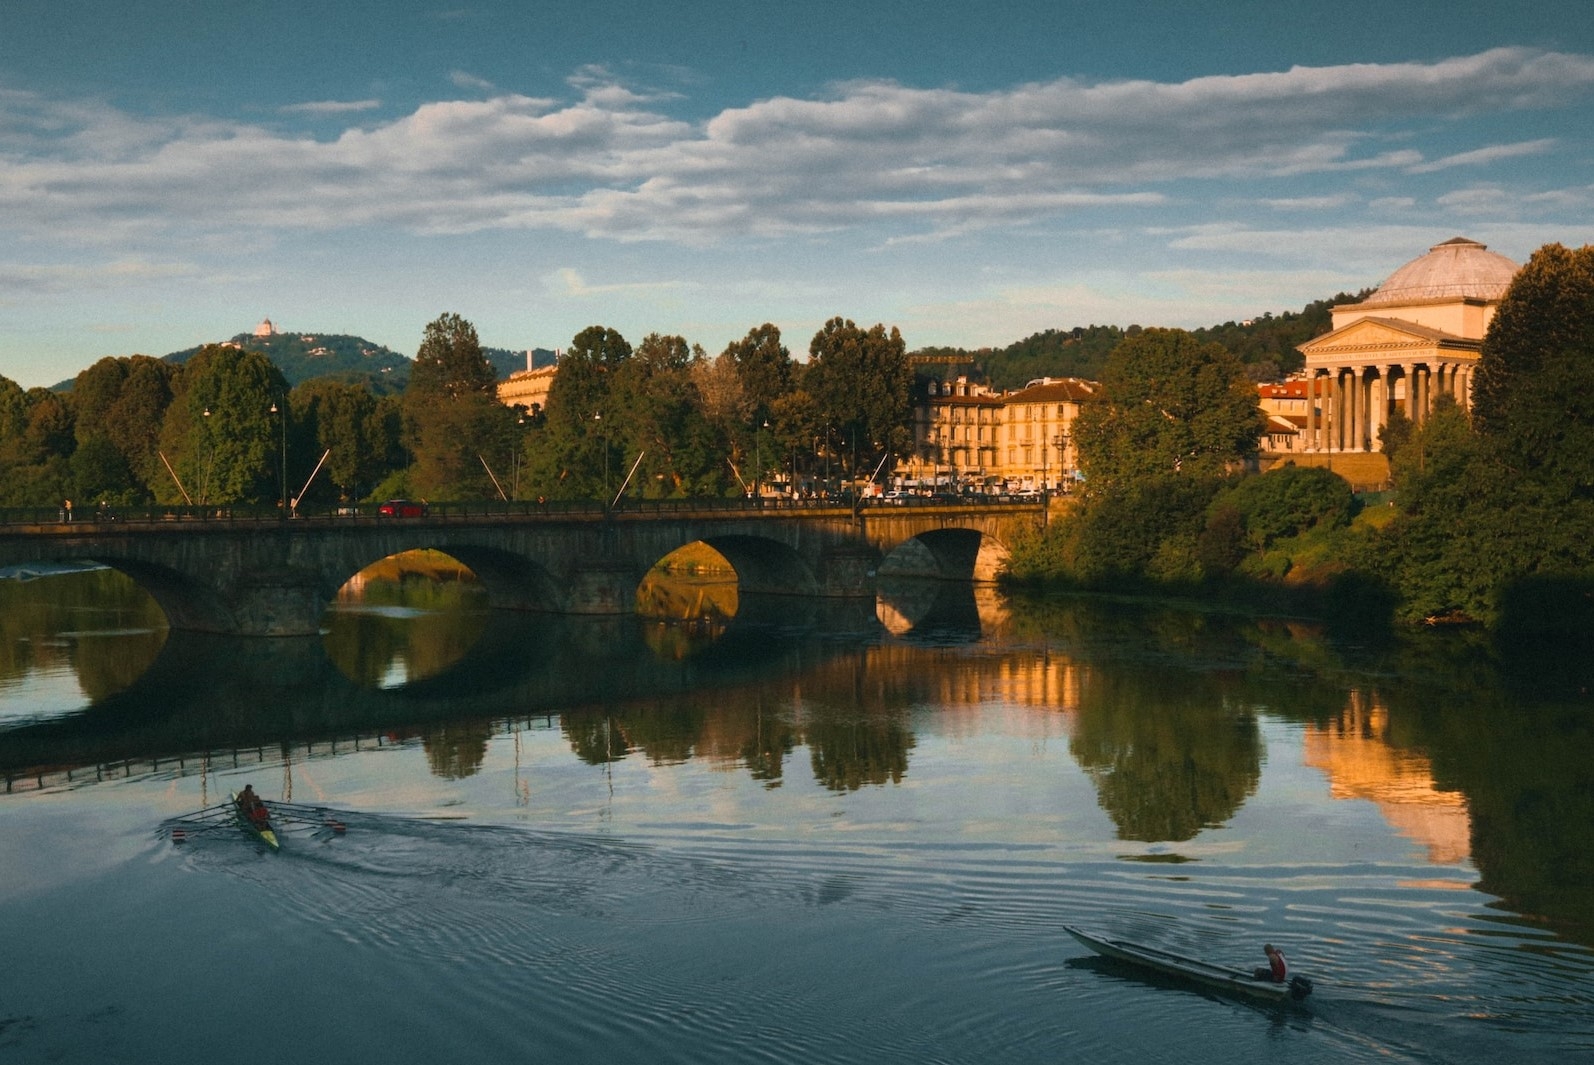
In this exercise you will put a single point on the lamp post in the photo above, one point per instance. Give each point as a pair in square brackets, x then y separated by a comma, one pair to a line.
[603, 431]
[758, 471]
[282, 482]
[210, 461]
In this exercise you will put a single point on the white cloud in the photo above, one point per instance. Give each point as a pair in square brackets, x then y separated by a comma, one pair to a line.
[1484, 156]
[566, 281]
[902, 163]
[331, 107]
[465, 80]
[1311, 203]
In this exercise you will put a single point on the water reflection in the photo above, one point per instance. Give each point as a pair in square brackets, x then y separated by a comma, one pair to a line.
[1163, 709]
[94, 627]
[405, 618]
[1170, 753]
[1362, 761]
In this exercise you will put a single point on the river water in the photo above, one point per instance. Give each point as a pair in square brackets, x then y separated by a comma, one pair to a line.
[802, 833]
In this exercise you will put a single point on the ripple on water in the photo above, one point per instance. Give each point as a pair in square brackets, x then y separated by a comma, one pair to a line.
[761, 947]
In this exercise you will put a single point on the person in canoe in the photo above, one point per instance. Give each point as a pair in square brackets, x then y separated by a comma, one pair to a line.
[251, 805]
[1277, 969]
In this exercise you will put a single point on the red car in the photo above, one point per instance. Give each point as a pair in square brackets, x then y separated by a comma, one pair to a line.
[402, 508]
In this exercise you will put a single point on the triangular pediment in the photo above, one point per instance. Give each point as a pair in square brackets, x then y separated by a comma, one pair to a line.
[1376, 335]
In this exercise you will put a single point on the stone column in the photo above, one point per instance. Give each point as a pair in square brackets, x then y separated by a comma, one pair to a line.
[1310, 441]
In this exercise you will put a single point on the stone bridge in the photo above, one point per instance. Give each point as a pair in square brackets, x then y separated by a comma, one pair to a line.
[237, 573]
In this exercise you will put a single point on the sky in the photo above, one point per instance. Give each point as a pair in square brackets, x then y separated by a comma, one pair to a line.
[173, 171]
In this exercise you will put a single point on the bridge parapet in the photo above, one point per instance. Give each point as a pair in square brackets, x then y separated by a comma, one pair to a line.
[253, 572]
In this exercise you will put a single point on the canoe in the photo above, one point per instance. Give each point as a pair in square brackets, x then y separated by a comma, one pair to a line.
[260, 830]
[1216, 977]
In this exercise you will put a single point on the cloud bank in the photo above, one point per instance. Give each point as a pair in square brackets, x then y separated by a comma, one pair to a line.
[612, 163]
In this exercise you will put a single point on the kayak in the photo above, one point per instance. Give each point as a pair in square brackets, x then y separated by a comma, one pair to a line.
[1216, 977]
[260, 830]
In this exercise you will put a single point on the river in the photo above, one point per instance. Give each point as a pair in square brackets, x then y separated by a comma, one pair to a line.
[784, 831]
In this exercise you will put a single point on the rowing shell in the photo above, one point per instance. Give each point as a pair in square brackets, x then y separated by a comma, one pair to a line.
[1217, 977]
[260, 830]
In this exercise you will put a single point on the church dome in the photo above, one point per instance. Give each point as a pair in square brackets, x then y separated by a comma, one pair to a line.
[1457, 269]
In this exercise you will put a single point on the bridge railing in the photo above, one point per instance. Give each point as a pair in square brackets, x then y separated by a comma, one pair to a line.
[244, 513]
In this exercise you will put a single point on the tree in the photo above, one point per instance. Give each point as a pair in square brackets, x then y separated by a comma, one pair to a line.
[346, 422]
[454, 423]
[861, 385]
[568, 454]
[218, 432]
[450, 363]
[1534, 389]
[655, 396]
[1169, 404]
[764, 368]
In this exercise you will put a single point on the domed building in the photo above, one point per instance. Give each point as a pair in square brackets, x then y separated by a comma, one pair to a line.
[1413, 340]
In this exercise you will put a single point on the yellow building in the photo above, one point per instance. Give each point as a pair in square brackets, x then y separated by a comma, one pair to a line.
[966, 434]
[1413, 340]
[528, 388]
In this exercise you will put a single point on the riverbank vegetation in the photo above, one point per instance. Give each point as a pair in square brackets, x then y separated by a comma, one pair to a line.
[1491, 517]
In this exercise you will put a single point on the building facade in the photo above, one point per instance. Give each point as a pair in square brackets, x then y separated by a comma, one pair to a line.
[968, 436]
[528, 388]
[1416, 338]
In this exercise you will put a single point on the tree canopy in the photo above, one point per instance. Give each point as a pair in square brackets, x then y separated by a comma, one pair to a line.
[1534, 388]
[1169, 404]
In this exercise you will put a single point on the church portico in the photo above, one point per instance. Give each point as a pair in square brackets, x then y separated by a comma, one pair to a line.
[1413, 340]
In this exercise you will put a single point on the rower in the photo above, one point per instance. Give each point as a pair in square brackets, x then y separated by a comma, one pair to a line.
[1277, 969]
[251, 805]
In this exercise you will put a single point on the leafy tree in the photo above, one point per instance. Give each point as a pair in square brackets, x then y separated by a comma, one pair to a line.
[580, 436]
[861, 385]
[450, 363]
[764, 367]
[655, 393]
[219, 433]
[117, 406]
[348, 423]
[1534, 389]
[454, 423]
[1170, 404]
[99, 471]
[35, 442]
[1288, 501]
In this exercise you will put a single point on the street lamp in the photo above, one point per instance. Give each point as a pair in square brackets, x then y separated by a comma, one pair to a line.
[210, 461]
[597, 416]
[282, 481]
[758, 470]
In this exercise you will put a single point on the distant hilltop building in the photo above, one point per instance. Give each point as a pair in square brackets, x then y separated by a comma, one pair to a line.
[265, 328]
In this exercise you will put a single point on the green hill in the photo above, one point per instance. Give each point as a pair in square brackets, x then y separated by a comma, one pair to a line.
[1266, 345]
[303, 356]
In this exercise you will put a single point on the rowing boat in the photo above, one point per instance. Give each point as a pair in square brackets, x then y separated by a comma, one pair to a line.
[259, 829]
[1216, 977]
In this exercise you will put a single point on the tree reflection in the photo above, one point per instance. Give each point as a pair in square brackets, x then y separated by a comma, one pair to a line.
[1170, 756]
[456, 749]
[848, 750]
[413, 615]
[594, 736]
[113, 629]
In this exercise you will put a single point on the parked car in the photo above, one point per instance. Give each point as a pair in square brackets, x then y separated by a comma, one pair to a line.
[402, 508]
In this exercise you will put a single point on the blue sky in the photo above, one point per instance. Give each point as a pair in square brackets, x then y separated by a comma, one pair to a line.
[172, 172]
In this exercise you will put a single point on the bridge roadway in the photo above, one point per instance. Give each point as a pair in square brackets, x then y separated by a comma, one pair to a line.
[242, 572]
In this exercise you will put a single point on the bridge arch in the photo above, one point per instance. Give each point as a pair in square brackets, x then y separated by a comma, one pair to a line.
[951, 554]
[764, 566]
